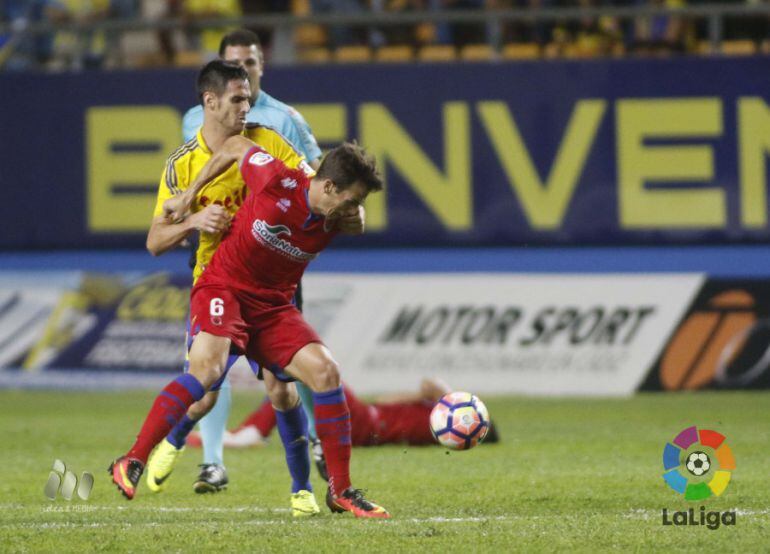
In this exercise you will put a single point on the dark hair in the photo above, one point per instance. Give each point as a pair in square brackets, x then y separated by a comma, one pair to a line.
[241, 37]
[349, 163]
[215, 75]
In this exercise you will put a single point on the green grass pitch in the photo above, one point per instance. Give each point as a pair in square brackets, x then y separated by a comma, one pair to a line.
[569, 475]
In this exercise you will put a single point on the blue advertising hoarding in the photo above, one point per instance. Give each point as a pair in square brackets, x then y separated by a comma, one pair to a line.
[570, 152]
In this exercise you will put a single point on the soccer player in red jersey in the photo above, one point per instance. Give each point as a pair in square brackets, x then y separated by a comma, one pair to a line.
[243, 300]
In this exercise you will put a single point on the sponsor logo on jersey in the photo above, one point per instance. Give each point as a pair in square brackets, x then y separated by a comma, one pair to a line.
[260, 158]
[284, 204]
[289, 183]
[270, 236]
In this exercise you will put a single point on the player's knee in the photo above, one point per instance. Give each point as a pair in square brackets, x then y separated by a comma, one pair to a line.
[207, 369]
[326, 376]
[283, 397]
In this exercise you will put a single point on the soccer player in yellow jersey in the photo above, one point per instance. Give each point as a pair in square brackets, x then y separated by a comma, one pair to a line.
[224, 93]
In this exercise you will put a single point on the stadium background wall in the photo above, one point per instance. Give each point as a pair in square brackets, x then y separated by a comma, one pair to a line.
[567, 153]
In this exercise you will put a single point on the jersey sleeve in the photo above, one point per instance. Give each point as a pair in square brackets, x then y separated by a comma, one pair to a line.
[259, 168]
[164, 193]
[173, 181]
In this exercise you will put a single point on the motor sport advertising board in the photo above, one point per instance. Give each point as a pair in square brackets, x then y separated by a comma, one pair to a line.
[528, 334]
[489, 333]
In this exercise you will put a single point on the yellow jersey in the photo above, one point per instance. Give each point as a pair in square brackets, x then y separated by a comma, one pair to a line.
[227, 190]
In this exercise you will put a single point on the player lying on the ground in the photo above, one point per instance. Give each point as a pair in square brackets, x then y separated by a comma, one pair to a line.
[392, 419]
[243, 300]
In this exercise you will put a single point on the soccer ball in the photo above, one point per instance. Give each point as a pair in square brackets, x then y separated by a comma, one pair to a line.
[698, 463]
[459, 421]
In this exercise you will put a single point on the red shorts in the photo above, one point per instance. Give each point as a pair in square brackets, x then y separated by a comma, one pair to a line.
[269, 333]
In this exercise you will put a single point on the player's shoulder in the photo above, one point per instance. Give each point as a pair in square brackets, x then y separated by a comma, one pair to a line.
[288, 180]
[194, 112]
[193, 118]
[274, 103]
[183, 151]
[280, 111]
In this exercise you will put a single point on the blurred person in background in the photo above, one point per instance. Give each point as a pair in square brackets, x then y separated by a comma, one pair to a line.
[343, 35]
[20, 49]
[206, 40]
[403, 34]
[85, 49]
[92, 49]
[589, 36]
[260, 7]
[664, 33]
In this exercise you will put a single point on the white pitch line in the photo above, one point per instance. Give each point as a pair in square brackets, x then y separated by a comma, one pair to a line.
[256, 522]
[84, 508]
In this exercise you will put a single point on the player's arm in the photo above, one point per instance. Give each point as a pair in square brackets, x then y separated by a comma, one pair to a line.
[233, 150]
[431, 390]
[165, 235]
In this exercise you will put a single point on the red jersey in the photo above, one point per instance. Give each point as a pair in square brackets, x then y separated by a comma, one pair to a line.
[274, 235]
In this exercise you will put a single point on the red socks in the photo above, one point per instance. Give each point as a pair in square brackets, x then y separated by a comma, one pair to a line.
[169, 407]
[332, 423]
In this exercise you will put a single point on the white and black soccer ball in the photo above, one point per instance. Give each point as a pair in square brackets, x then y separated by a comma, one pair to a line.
[459, 421]
[698, 463]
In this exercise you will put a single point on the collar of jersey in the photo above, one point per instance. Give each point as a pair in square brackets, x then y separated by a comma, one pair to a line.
[202, 143]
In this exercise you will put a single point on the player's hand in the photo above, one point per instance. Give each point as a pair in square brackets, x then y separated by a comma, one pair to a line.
[352, 222]
[347, 217]
[176, 208]
[211, 219]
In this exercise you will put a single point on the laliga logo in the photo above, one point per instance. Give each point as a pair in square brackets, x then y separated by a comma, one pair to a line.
[698, 464]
